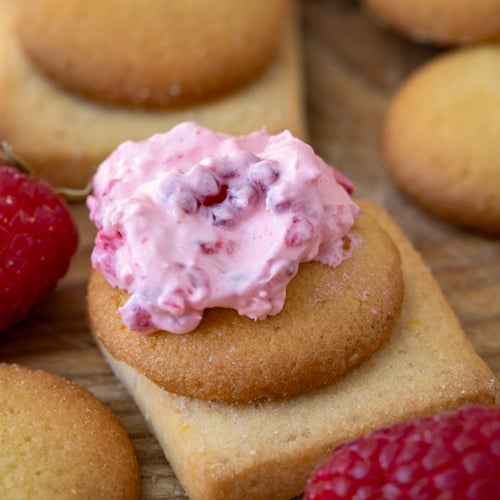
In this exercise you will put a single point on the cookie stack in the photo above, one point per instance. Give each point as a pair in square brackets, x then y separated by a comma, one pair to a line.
[84, 77]
[267, 448]
[245, 408]
[441, 139]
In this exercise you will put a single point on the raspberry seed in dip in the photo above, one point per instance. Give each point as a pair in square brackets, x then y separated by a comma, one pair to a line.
[193, 219]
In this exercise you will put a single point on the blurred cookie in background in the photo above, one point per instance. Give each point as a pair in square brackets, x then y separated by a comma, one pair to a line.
[63, 133]
[59, 441]
[151, 53]
[441, 137]
[439, 22]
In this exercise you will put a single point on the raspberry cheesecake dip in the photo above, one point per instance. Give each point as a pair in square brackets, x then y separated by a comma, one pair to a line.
[236, 268]
[193, 219]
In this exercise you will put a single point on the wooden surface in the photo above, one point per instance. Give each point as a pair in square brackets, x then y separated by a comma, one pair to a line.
[351, 69]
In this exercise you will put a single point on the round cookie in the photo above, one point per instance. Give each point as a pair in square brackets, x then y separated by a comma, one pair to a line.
[443, 22]
[441, 137]
[58, 441]
[333, 319]
[152, 53]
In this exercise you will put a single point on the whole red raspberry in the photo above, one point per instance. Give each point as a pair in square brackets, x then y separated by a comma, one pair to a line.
[452, 455]
[37, 240]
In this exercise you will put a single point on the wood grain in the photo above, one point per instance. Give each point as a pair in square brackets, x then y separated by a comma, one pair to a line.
[352, 67]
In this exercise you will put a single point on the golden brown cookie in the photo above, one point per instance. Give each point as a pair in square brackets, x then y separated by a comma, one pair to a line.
[64, 137]
[443, 22]
[151, 52]
[269, 449]
[59, 441]
[441, 139]
[333, 319]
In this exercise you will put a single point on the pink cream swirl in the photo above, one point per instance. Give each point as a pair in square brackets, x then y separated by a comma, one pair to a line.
[193, 219]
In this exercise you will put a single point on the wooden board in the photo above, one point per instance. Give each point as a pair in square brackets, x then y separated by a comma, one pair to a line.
[352, 67]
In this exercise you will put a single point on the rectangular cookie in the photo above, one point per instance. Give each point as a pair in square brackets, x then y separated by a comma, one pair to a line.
[267, 450]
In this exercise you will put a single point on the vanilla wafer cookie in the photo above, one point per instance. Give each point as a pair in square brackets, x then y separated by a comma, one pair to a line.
[151, 53]
[333, 319]
[441, 138]
[59, 441]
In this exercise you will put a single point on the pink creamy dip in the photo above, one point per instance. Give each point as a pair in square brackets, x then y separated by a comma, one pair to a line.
[193, 219]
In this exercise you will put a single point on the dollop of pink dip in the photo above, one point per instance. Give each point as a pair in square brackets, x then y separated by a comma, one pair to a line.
[192, 219]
